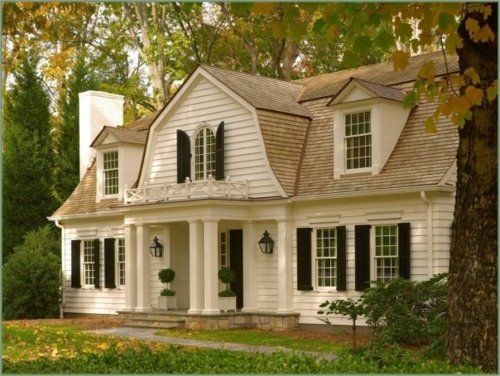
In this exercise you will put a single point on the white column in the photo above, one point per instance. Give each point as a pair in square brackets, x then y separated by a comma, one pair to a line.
[211, 267]
[249, 267]
[143, 268]
[167, 257]
[285, 267]
[195, 267]
[130, 271]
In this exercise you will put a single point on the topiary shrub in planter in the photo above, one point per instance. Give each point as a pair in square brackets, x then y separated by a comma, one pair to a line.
[227, 297]
[167, 299]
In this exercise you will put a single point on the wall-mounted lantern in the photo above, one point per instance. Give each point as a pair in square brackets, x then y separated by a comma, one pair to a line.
[156, 248]
[266, 244]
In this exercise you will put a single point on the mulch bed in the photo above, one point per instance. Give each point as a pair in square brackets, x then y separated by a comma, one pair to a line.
[83, 322]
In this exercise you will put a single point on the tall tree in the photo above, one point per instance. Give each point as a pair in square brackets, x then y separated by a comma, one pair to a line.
[27, 156]
[472, 302]
[66, 171]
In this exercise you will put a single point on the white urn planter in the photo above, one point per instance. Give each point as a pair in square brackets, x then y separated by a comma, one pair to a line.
[227, 303]
[167, 302]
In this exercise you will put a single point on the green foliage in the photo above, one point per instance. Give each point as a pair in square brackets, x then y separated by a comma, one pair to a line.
[67, 170]
[173, 359]
[399, 311]
[407, 312]
[167, 292]
[27, 156]
[166, 275]
[226, 275]
[31, 277]
[227, 293]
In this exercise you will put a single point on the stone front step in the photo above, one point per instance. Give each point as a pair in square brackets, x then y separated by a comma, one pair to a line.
[154, 324]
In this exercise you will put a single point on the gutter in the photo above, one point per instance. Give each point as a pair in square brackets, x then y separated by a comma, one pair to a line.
[63, 241]
[430, 228]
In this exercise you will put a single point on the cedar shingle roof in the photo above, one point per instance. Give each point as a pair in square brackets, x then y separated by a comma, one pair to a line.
[83, 198]
[418, 159]
[300, 150]
[327, 85]
[380, 91]
[262, 92]
[125, 135]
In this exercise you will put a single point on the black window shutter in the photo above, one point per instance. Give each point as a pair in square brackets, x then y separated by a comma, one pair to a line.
[109, 263]
[404, 250]
[341, 259]
[304, 278]
[362, 255]
[75, 263]
[183, 156]
[96, 263]
[219, 152]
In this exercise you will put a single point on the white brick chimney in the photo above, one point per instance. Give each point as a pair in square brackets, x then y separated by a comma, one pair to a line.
[97, 109]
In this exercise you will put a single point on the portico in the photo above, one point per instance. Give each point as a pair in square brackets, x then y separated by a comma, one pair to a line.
[192, 246]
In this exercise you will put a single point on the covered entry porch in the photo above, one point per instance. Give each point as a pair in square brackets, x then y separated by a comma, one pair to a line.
[197, 241]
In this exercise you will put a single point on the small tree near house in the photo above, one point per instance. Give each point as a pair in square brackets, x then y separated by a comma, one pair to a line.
[350, 308]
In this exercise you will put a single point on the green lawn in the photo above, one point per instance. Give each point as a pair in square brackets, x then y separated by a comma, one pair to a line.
[50, 349]
[256, 337]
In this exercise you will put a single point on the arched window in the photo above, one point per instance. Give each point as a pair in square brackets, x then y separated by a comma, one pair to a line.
[204, 154]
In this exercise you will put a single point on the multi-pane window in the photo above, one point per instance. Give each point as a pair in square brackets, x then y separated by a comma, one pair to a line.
[386, 252]
[110, 170]
[224, 259]
[88, 262]
[326, 257]
[204, 154]
[358, 140]
[121, 262]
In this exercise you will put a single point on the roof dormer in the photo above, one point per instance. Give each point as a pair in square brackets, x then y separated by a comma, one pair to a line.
[118, 157]
[368, 119]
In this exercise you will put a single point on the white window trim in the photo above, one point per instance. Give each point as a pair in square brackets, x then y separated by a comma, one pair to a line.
[314, 272]
[114, 195]
[117, 264]
[339, 147]
[193, 151]
[373, 267]
[82, 265]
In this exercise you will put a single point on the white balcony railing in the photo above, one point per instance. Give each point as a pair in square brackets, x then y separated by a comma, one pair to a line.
[209, 188]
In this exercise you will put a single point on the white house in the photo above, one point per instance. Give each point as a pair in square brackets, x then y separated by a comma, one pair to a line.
[345, 180]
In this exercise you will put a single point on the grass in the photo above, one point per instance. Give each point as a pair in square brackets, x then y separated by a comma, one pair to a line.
[257, 338]
[64, 348]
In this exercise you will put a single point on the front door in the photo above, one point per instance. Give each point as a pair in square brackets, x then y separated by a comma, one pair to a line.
[236, 263]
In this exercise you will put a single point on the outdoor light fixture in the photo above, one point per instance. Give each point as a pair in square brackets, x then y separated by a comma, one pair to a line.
[266, 244]
[156, 248]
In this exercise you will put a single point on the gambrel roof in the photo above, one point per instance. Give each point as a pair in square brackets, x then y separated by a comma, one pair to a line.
[297, 130]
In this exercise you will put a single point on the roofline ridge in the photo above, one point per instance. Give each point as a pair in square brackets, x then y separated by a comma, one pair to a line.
[254, 75]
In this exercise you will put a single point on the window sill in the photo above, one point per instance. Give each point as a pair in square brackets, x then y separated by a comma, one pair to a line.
[363, 170]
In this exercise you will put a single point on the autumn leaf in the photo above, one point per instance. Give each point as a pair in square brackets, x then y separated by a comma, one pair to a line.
[485, 34]
[472, 26]
[278, 30]
[488, 11]
[263, 8]
[430, 125]
[474, 94]
[427, 71]
[400, 60]
[452, 43]
[492, 91]
[472, 75]
[103, 346]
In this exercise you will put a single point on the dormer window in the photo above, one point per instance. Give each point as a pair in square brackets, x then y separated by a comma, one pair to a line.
[204, 154]
[110, 172]
[358, 140]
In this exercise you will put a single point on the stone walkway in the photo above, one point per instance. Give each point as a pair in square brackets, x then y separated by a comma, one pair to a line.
[149, 335]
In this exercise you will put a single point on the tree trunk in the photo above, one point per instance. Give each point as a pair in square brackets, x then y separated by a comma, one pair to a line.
[291, 55]
[472, 296]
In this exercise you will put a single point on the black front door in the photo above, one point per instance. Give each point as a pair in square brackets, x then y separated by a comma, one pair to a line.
[236, 263]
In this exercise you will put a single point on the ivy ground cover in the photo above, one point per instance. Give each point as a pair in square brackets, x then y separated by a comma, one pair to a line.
[64, 348]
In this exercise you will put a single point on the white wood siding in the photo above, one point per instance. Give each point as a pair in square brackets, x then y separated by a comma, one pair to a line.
[244, 154]
[358, 211]
[91, 300]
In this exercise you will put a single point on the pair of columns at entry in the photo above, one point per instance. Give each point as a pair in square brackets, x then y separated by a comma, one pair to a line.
[203, 266]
